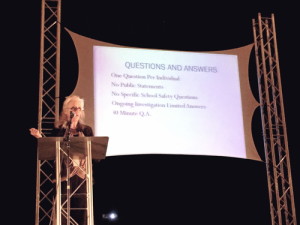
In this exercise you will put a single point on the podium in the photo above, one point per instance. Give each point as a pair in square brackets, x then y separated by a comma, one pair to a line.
[56, 157]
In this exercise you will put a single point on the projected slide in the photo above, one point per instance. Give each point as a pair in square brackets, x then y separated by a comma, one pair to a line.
[168, 102]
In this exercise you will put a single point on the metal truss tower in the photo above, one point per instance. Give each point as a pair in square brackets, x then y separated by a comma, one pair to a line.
[49, 65]
[281, 195]
[48, 102]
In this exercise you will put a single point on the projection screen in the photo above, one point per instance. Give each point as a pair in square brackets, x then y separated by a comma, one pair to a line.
[150, 101]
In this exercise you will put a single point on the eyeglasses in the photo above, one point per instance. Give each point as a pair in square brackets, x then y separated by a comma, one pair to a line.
[76, 108]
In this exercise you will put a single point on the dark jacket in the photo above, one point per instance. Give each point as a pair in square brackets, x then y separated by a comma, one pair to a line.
[85, 129]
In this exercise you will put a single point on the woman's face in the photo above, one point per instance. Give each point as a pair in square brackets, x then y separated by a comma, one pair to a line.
[75, 107]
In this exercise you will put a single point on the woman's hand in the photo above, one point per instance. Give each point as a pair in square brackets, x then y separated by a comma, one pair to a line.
[35, 132]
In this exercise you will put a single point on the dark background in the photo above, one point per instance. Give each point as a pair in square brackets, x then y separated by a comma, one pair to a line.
[146, 189]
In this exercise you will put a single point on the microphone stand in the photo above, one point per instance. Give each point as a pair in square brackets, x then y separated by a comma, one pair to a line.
[68, 146]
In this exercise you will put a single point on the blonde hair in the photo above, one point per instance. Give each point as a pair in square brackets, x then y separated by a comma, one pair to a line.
[63, 119]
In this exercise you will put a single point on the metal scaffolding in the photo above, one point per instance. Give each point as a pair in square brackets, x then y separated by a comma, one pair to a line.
[49, 65]
[281, 195]
[48, 102]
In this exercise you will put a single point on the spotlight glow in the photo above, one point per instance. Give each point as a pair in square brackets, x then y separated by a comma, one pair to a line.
[111, 216]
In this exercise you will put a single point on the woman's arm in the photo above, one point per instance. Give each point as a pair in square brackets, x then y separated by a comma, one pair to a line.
[35, 132]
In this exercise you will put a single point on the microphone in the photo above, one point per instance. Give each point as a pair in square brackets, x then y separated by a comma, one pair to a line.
[68, 129]
[71, 114]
